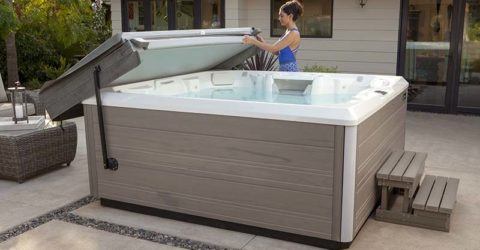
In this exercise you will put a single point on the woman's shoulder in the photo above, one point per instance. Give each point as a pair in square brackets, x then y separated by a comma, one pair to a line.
[294, 33]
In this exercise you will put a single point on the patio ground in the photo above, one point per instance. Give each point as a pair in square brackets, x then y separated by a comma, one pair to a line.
[453, 147]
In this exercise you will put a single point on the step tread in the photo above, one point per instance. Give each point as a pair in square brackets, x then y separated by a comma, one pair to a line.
[423, 193]
[449, 196]
[415, 170]
[436, 195]
[401, 167]
[388, 166]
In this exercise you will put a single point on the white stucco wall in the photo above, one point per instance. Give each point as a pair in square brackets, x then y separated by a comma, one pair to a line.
[364, 39]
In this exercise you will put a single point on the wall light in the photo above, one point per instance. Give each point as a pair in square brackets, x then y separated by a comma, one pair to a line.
[362, 2]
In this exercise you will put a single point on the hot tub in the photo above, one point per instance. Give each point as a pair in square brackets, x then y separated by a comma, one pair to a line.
[286, 155]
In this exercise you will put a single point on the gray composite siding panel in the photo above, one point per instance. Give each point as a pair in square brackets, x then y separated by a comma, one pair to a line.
[273, 174]
[255, 174]
[217, 209]
[383, 137]
[285, 156]
[224, 126]
[377, 138]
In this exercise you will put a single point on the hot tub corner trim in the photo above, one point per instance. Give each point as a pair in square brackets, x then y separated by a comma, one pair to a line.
[348, 194]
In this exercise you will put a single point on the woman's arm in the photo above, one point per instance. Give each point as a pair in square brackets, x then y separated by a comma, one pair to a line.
[274, 48]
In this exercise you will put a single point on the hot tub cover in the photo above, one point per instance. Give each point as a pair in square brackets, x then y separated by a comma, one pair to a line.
[138, 56]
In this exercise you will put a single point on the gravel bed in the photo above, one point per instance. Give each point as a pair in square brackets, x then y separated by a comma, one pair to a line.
[42, 219]
[64, 214]
[140, 233]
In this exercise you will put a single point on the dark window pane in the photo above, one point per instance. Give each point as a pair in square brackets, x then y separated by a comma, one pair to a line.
[316, 20]
[135, 15]
[469, 92]
[184, 14]
[211, 14]
[159, 14]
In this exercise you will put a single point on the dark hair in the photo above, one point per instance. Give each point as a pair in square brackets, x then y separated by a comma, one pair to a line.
[294, 8]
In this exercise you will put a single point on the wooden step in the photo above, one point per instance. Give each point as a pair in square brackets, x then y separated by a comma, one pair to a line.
[435, 201]
[437, 194]
[403, 169]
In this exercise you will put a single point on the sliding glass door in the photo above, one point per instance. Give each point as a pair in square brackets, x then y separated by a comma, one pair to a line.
[440, 54]
[427, 50]
[469, 83]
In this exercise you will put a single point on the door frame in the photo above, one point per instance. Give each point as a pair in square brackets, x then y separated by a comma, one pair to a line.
[454, 60]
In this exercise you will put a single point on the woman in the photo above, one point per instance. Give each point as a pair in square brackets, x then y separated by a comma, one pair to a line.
[287, 46]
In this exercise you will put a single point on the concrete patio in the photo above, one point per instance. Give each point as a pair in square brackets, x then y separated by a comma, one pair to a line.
[453, 147]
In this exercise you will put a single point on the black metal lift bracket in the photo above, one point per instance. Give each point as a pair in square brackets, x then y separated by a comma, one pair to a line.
[108, 163]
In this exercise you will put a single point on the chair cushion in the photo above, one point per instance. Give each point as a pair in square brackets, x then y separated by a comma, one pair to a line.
[3, 95]
[6, 109]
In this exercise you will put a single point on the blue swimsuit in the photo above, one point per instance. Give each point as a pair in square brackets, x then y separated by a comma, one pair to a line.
[286, 57]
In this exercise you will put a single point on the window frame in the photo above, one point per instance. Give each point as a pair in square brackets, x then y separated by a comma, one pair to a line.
[303, 36]
[197, 23]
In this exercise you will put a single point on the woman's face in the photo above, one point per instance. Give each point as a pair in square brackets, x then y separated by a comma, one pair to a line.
[284, 18]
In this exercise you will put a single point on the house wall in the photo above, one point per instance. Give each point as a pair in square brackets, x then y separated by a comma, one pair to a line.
[116, 8]
[364, 39]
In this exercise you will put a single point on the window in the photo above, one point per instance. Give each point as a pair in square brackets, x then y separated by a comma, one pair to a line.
[135, 16]
[145, 15]
[212, 14]
[159, 14]
[315, 22]
[184, 14]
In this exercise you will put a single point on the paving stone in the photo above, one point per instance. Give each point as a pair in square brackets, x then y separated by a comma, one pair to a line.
[62, 235]
[172, 227]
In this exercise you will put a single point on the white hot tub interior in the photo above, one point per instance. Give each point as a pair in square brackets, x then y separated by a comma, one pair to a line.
[273, 87]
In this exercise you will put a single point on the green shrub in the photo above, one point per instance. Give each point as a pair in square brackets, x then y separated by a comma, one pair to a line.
[474, 31]
[51, 36]
[34, 84]
[320, 68]
[54, 72]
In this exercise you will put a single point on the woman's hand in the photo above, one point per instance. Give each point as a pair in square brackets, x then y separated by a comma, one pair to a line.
[259, 38]
[249, 40]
